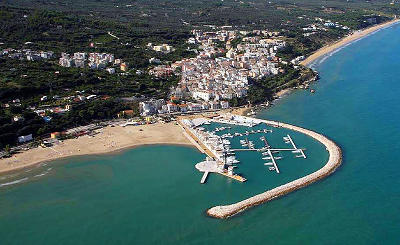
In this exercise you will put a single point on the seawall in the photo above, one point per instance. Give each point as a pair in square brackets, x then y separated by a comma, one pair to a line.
[334, 161]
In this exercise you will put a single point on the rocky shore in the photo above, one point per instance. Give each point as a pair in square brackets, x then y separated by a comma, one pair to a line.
[334, 161]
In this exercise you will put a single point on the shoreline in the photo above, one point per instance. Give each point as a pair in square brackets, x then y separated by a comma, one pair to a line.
[109, 140]
[334, 161]
[344, 41]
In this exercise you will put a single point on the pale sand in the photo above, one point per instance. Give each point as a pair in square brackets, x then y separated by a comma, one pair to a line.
[283, 92]
[107, 140]
[357, 35]
[241, 111]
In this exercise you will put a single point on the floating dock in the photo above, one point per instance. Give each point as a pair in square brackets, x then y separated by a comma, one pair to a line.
[273, 161]
[296, 150]
[204, 178]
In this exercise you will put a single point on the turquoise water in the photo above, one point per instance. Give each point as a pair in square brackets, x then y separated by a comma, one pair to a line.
[152, 195]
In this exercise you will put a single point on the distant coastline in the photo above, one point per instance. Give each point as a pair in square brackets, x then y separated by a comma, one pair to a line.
[344, 41]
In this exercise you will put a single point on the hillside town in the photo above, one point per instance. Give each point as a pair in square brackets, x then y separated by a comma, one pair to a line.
[92, 60]
[222, 69]
[26, 54]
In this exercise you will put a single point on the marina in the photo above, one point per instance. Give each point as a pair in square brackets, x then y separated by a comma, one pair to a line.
[335, 159]
[221, 156]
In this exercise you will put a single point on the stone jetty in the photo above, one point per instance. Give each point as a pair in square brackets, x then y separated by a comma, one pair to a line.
[334, 161]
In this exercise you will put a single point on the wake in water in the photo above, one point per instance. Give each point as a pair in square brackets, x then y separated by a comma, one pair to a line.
[23, 179]
[14, 182]
[44, 173]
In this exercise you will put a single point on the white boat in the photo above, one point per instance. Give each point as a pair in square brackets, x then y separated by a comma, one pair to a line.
[265, 154]
[242, 142]
[268, 164]
[296, 151]
[278, 158]
[266, 158]
[273, 152]
[207, 123]
[299, 156]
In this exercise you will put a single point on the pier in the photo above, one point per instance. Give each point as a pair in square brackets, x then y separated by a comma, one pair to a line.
[296, 150]
[265, 149]
[273, 161]
[204, 178]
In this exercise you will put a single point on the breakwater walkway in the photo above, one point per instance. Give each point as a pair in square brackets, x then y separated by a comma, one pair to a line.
[334, 161]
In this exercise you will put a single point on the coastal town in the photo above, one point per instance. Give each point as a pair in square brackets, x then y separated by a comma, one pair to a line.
[227, 62]
[214, 74]
[199, 122]
[207, 82]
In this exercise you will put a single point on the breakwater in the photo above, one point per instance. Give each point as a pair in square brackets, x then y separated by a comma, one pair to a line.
[334, 161]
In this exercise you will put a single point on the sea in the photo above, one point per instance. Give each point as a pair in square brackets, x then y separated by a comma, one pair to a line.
[153, 195]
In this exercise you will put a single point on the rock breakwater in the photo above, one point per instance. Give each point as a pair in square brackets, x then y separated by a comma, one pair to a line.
[334, 161]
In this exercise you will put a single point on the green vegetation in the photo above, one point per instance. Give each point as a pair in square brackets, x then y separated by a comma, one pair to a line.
[71, 26]
[81, 114]
[264, 89]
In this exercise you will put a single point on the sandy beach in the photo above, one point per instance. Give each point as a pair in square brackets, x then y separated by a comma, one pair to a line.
[107, 140]
[357, 35]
